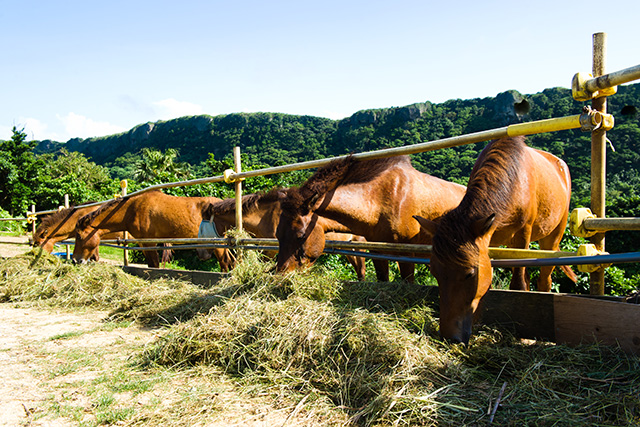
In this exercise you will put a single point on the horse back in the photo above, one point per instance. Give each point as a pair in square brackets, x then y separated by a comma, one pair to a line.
[156, 214]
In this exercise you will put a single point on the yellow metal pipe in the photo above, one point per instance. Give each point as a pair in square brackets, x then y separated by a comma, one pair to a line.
[548, 125]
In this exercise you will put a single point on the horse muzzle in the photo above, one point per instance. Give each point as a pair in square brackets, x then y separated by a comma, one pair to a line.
[459, 332]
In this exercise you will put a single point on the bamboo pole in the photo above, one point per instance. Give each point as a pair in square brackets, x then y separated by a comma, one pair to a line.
[238, 183]
[67, 248]
[125, 234]
[598, 161]
[33, 222]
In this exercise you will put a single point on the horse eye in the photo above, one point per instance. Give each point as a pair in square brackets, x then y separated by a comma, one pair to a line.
[470, 274]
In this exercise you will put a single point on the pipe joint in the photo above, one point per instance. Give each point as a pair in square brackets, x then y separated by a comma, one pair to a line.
[581, 92]
[591, 250]
[576, 222]
[591, 120]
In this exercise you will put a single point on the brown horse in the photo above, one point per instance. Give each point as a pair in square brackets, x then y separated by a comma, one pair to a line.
[148, 215]
[375, 199]
[59, 226]
[260, 214]
[516, 195]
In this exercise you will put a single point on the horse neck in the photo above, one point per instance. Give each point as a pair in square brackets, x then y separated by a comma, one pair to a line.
[341, 211]
[118, 217]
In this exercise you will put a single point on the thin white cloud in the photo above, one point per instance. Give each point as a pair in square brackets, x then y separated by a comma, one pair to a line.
[83, 127]
[171, 108]
[34, 128]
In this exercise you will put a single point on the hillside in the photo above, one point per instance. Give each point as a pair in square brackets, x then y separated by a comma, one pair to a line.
[273, 138]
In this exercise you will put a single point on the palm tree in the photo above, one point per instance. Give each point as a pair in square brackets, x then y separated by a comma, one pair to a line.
[156, 166]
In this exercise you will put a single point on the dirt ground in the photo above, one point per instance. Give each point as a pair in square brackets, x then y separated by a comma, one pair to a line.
[32, 340]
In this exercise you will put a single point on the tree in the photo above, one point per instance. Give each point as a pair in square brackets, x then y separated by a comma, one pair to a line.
[19, 172]
[158, 167]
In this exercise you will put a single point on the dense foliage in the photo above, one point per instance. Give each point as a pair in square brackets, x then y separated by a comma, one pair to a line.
[201, 146]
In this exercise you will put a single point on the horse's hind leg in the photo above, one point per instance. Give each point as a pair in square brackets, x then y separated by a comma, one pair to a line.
[549, 243]
[153, 260]
[519, 281]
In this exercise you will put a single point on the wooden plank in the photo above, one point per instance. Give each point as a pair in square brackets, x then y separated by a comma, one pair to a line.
[525, 314]
[585, 320]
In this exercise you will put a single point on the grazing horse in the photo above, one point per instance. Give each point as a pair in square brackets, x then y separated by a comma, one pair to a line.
[61, 225]
[260, 214]
[516, 195]
[375, 199]
[152, 214]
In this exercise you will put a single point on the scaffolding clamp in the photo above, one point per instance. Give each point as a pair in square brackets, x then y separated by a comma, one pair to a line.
[590, 250]
[229, 177]
[580, 91]
[591, 120]
[576, 222]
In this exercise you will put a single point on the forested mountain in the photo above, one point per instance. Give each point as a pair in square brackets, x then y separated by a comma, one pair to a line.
[41, 173]
[274, 139]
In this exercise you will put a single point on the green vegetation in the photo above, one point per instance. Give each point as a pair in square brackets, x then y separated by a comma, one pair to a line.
[328, 351]
[42, 172]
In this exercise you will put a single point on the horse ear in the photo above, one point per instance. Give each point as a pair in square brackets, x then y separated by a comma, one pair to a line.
[428, 226]
[483, 225]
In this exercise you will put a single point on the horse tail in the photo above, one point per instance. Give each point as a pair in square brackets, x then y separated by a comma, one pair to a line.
[566, 269]
[167, 254]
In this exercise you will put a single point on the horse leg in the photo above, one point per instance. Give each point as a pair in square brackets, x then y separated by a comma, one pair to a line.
[153, 260]
[382, 269]
[224, 259]
[407, 270]
[552, 243]
[520, 240]
[358, 265]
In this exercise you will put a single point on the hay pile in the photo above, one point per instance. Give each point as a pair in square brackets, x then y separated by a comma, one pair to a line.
[369, 351]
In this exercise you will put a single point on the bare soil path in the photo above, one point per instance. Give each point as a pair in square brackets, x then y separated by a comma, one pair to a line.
[53, 363]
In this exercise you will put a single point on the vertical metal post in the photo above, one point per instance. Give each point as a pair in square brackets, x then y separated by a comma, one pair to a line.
[238, 169]
[67, 248]
[125, 235]
[598, 161]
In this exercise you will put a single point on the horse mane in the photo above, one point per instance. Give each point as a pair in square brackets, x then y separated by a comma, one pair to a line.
[57, 216]
[249, 203]
[87, 219]
[337, 173]
[489, 192]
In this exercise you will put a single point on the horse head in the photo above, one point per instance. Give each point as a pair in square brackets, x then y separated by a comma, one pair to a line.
[87, 240]
[300, 238]
[41, 238]
[461, 265]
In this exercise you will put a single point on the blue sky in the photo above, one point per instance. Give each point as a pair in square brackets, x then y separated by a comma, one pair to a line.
[84, 68]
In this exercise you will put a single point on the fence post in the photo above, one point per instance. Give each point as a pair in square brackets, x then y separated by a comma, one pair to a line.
[237, 162]
[598, 161]
[67, 250]
[125, 235]
[33, 223]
